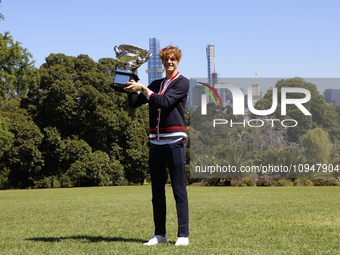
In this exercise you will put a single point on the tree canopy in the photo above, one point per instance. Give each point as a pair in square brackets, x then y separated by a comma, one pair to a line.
[323, 114]
[17, 71]
[62, 126]
[275, 145]
[78, 131]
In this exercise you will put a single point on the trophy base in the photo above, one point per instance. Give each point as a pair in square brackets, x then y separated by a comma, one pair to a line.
[121, 77]
[118, 87]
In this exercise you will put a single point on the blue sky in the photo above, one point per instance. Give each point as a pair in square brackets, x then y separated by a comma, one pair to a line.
[275, 38]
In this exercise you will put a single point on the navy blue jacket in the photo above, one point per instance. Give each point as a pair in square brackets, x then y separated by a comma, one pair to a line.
[166, 107]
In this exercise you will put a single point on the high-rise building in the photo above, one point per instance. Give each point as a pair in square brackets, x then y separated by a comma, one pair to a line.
[332, 96]
[155, 68]
[256, 92]
[211, 65]
[213, 77]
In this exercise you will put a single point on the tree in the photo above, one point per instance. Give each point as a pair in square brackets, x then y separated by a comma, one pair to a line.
[96, 169]
[135, 147]
[76, 92]
[6, 141]
[338, 110]
[23, 158]
[323, 115]
[280, 157]
[6, 137]
[317, 146]
[17, 71]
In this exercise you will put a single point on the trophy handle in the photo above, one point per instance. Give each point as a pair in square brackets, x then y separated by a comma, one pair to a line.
[115, 49]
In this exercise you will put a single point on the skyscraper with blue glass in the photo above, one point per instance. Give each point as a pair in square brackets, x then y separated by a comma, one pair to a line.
[155, 69]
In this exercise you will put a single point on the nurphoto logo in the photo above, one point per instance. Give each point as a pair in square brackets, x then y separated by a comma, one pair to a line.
[239, 108]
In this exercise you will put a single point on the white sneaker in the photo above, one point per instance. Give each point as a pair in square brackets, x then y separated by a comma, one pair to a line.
[182, 241]
[156, 239]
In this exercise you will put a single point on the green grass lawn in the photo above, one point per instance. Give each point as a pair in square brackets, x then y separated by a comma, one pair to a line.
[223, 220]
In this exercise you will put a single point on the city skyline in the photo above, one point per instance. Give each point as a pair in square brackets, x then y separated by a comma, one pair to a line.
[264, 85]
[272, 38]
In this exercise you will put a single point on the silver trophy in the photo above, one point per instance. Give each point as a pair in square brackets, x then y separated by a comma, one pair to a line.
[130, 58]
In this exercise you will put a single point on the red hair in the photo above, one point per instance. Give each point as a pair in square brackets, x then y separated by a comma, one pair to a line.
[170, 50]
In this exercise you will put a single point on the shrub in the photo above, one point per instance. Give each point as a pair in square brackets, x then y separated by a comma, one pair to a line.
[244, 182]
[4, 183]
[303, 182]
[266, 180]
[46, 182]
[96, 169]
[285, 182]
[325, 182]
[55, 182]
[65, 181]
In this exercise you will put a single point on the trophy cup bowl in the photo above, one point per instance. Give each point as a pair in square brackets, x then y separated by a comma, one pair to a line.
[130, 59]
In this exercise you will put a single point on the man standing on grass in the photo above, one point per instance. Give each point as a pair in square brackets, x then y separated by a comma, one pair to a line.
[166, 98]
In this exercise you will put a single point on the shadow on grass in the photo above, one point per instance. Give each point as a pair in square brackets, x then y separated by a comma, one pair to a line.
[92, 239]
